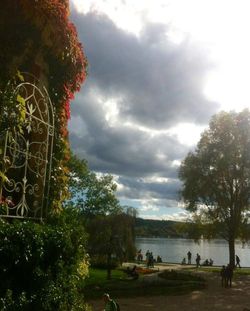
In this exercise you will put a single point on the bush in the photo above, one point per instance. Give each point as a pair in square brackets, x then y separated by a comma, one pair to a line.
[41, 265]
[180, 276]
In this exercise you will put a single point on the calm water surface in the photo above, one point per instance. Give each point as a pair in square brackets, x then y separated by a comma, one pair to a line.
[173, 250]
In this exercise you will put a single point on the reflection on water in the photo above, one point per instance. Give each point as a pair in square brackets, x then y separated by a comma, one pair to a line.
[173, 250]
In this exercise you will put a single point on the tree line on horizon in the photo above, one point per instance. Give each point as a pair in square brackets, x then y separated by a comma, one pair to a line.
[159, 228]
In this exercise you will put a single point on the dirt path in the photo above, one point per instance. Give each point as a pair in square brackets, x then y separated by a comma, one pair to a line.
[214, 297]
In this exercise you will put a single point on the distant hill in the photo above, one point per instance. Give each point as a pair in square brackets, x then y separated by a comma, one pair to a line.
[158, 228]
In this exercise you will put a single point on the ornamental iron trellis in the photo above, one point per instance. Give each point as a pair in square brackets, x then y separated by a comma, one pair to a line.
[28, 155]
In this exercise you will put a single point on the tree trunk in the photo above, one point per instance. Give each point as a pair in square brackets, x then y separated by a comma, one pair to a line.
[109, 266]
[231, 244]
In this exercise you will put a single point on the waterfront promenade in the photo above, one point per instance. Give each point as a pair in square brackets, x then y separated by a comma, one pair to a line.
[213, 297]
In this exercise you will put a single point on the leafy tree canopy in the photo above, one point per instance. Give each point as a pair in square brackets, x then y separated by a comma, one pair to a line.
[109, 225]
[216, 176]
[94, 195]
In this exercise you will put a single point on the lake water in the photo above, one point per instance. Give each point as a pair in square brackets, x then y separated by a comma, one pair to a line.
[173, 250]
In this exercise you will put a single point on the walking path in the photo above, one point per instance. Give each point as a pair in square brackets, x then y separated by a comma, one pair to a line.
[214, 297]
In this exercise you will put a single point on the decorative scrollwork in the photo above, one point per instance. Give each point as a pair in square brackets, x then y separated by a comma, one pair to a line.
[29, 154]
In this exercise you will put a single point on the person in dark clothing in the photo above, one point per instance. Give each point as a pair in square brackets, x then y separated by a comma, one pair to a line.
[228, 276]
[189, 256]
[237, 259]
[158, 259]
[151, 260]
[205, 263]
[223, 276]
[132, 272]
[139, 256]
[198, 260]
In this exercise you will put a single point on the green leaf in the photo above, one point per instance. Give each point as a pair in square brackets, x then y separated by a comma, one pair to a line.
[20, 76]
[22, 107]
[21, 100]
[4, 177]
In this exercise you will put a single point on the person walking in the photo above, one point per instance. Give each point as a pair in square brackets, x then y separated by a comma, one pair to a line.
[237, 259]
[189, 256]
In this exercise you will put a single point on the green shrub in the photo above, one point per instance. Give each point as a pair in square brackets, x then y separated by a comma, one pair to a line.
[41, 265]
[174, 275]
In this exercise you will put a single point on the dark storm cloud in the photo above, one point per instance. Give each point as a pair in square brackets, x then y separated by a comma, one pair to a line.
[155, 84]
[159, 83]
[120, 149]
[136, 189]
[127, 152]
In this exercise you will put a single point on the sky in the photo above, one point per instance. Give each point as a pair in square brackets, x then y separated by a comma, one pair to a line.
[158, 71]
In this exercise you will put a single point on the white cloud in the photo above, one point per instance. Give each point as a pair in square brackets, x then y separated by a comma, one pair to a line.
[181, 216]
[153, 179]
[187, 133]
[148, 208]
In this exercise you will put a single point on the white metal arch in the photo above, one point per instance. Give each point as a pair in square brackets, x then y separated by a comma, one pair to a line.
[29, 154]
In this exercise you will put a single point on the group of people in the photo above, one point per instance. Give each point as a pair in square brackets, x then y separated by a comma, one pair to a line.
[226, 274]
[189, 258]
[207, 262]
[150, 260]
[197, 260]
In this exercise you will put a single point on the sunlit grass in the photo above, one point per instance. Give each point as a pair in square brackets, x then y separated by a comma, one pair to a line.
[237, 271]
[120, 285]
[99, 276]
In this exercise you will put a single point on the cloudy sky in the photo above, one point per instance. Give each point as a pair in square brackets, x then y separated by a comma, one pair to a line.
[158, 70]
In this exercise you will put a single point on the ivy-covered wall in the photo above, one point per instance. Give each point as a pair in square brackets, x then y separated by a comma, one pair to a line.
[41, 265]
[37, 37]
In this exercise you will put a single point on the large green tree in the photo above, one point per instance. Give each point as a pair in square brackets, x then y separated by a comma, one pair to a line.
[92, 194]
[111, 240]
[216, 177]
[109, 225]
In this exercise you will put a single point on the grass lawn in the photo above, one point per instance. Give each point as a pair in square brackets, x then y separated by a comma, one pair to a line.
[237, 271]
[99, 276]
[120, 285]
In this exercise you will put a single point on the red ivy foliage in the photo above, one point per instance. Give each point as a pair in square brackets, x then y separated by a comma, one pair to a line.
[57, 37]
[29, 28]
[51, 18]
